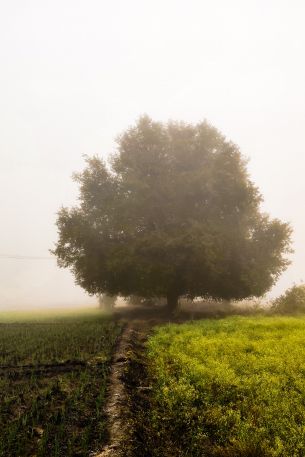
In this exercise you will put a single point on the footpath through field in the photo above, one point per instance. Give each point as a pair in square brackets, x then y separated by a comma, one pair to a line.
[127, 386]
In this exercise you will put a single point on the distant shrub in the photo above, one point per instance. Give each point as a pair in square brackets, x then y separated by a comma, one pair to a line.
[208, 307]
[292, 301]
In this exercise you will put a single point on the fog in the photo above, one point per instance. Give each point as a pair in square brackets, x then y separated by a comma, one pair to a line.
[74, 74]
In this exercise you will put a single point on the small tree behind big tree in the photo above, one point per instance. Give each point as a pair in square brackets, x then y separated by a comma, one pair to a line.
[106, 302]
[173, 214]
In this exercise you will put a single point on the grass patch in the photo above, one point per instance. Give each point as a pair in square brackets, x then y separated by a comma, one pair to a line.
[53, 371]
[228, 387]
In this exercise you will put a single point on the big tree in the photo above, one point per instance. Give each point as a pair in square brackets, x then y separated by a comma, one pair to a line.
[172, 213]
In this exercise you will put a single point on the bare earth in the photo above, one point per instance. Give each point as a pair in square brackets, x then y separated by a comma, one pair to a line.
[138, 323]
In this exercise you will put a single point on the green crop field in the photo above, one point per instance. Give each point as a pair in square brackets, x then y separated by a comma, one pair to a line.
[230, 387]
[53, 372]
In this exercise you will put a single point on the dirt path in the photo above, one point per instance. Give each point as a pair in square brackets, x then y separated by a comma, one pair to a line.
[117, 406]
[127, 377]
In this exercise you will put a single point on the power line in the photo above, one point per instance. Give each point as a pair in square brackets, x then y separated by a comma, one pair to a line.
[24, 257]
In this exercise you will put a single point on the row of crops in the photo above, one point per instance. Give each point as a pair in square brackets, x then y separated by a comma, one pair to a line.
[53, 373]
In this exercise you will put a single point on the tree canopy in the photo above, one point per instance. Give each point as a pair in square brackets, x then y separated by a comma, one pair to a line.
[172, 213]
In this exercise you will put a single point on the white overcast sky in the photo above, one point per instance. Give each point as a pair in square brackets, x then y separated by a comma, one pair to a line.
[76, 73]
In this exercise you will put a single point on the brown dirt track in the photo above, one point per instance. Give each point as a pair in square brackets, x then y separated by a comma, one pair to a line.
[127, 382]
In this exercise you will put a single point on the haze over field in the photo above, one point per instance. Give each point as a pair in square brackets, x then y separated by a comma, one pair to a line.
[75, 74]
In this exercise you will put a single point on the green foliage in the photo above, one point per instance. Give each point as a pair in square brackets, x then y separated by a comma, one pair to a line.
[53, 373]
[231, 387]
[292, 301]
[173, 214]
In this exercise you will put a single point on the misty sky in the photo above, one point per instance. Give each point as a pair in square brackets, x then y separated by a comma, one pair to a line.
[74, 74]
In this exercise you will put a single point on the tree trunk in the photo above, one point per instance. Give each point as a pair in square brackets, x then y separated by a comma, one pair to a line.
[172, 302]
